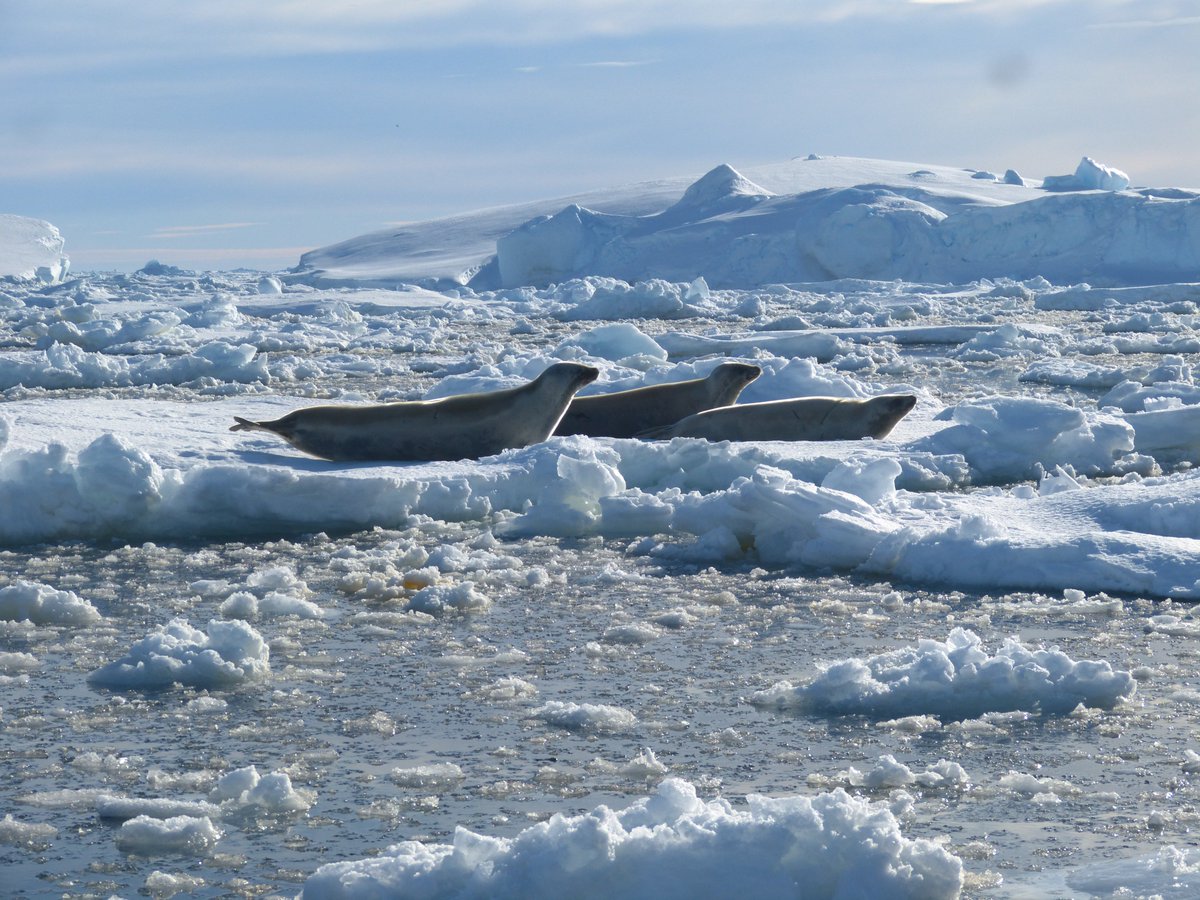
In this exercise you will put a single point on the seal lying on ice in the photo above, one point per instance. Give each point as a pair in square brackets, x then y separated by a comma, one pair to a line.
[625, 413]
[460, 427]
[802, 419]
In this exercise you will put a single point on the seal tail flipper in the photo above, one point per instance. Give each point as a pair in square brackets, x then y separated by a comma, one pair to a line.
[662, 433]
[246, 425]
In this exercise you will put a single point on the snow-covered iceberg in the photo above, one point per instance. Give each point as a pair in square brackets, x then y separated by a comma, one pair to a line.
[31, 249]
[803, 221]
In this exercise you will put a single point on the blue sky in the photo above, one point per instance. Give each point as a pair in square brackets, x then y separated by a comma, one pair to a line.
[223, 133]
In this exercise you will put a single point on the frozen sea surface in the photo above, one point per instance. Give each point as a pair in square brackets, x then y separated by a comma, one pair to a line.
[969, 646]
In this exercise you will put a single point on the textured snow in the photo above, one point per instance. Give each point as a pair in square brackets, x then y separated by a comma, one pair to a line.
[671, 844]
[44, 605]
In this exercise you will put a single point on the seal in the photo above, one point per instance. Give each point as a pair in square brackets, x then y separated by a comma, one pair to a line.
[460, 427]
[801, 419]
[622, 414]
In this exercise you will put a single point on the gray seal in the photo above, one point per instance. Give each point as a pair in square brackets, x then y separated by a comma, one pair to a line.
[466, 426]
[801, 419]
[623, 414]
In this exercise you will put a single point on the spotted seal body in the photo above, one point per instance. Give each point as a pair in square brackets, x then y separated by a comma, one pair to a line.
[460, 427]
[801, 419]
[623, 414]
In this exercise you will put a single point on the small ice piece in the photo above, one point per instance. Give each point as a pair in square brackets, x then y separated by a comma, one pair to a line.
[269, 284]
[245, 791]
[872, 480]
[427, 777]
[228, 654]
[645, 765]
[167, 884]
[585, 716]
[1172, 872]
[438, 599]
[123, 808]
[43, 605]
[30, 835]
[618, 341]
[148, 836]
[955, 680]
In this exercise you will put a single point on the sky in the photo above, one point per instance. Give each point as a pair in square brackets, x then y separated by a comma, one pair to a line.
[223, 134]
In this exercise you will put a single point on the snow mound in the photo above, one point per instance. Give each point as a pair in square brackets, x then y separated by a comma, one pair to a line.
[230, 653]
[31, 249]
[955, 679]
[668, 846]
[1010, 438]
[724, 189]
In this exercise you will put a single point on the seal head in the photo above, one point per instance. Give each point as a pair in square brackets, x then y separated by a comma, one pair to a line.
[623, 414]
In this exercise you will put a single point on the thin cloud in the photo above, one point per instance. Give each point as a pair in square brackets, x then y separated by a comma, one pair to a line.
[182, 231]
[1176, 22]
[147, 32]
[617, 64]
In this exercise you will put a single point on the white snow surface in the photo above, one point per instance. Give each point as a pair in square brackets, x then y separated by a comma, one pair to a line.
[671, 844]
[160, 469]
[804, 220]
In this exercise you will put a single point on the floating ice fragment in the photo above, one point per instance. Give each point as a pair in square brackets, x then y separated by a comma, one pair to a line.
[956, 679]
[123, 808]
[427, 777]
[33, 836]
[585, 716]
[243, 791]
[228, 654]
[43, 605]
[147, 836]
